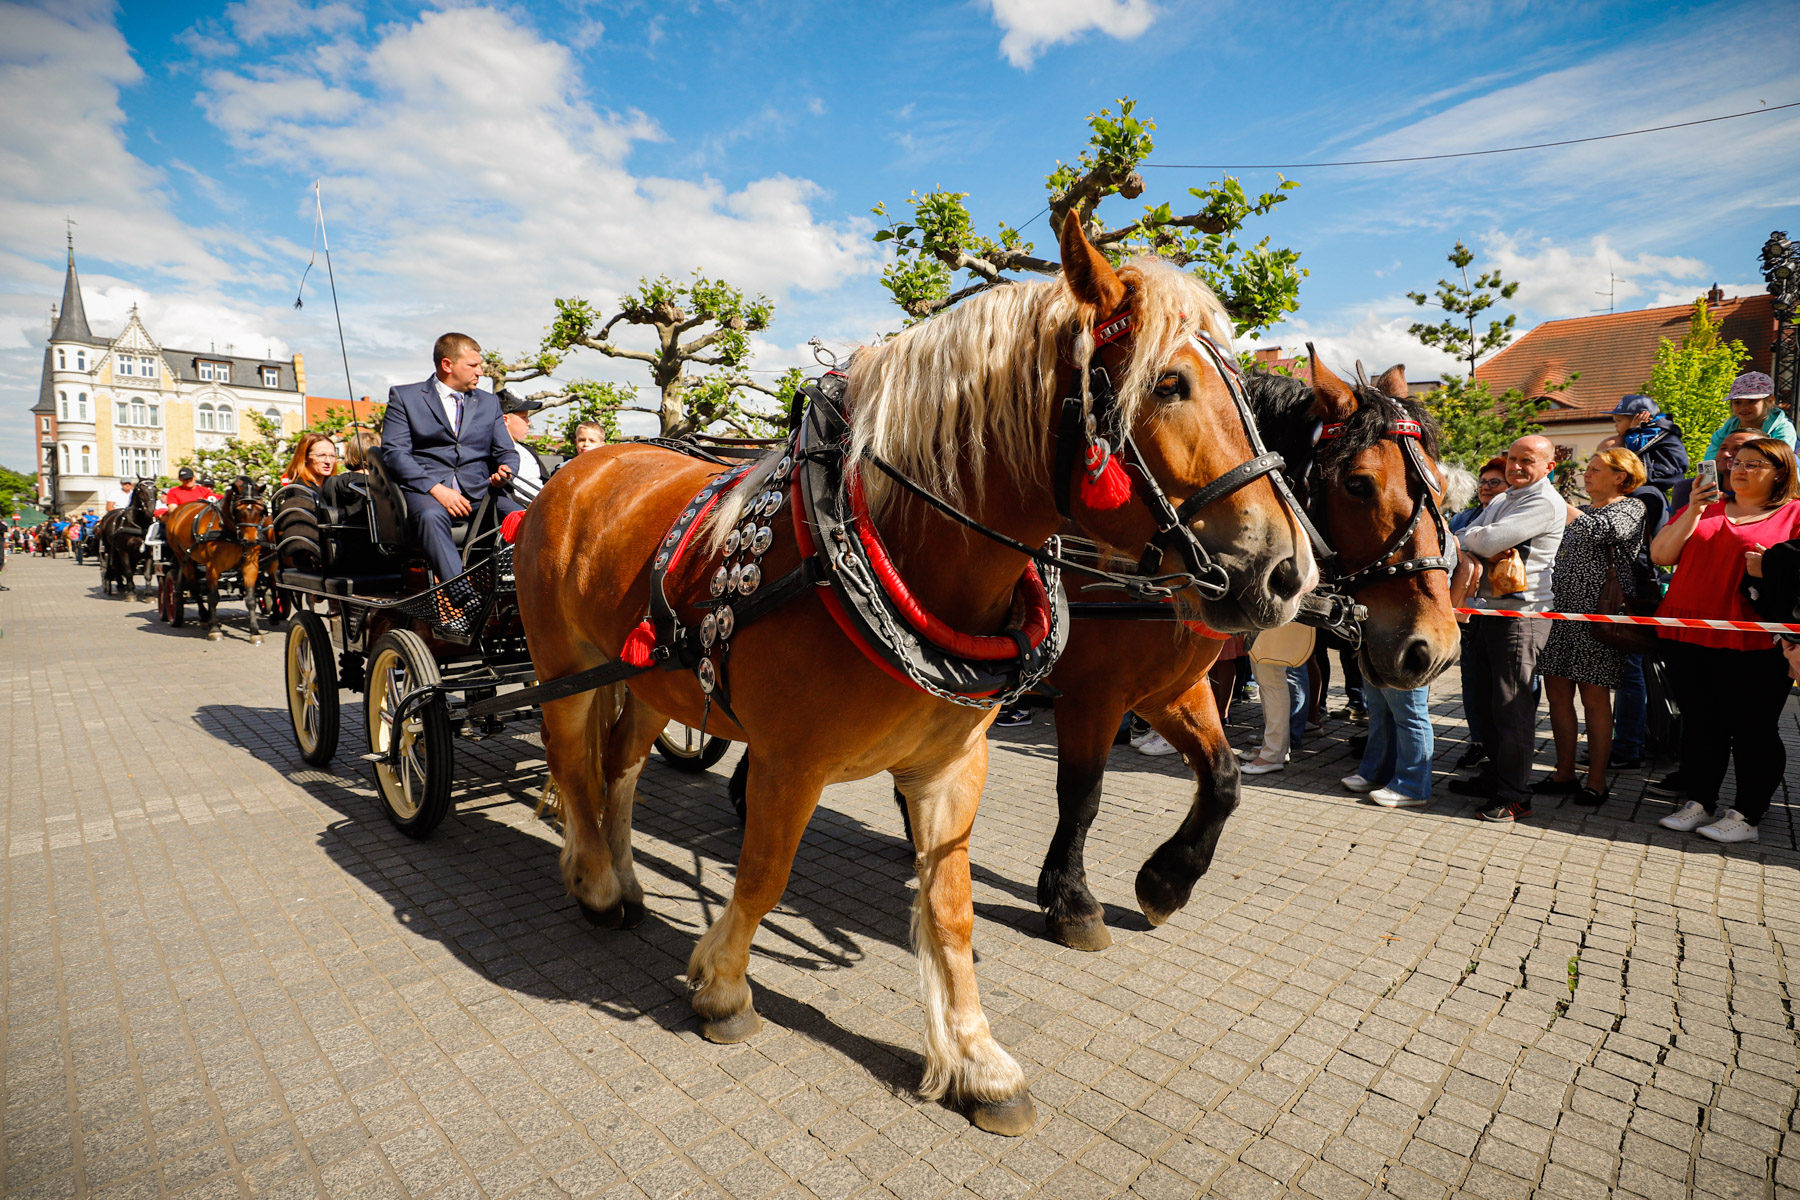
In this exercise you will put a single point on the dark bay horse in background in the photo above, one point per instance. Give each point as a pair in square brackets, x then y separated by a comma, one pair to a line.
[964, 406]
[208, 538]
[1371, 506]
[121, 534]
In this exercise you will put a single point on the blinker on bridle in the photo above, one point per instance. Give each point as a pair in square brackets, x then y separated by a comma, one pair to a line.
[1100, 433]
[1408, 433]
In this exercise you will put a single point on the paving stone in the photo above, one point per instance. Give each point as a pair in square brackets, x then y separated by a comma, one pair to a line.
[225, 974]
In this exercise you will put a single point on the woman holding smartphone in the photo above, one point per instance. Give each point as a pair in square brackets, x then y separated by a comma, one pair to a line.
[1710, 544]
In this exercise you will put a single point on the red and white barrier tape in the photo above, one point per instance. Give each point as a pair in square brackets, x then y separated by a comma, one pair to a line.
[1623, 619]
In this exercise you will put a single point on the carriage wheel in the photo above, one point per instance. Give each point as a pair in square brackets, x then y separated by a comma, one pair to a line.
[312, 689]
[683, 748]
[174, 603]
[416, 790]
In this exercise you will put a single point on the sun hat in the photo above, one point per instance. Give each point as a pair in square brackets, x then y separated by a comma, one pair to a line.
[1751, 385]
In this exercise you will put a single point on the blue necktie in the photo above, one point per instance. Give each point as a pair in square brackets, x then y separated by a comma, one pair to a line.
[460, 398]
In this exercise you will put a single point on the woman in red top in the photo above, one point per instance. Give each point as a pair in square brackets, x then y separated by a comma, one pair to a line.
[1707, 542]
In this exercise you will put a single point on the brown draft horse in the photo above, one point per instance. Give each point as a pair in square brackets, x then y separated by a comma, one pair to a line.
[207, 539]
[120, 535]
[963, 405]
[1363, 498]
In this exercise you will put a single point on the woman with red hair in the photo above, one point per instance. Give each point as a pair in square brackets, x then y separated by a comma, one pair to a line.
[315, 460]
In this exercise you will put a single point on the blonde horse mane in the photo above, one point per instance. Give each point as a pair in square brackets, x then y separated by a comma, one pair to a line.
[950, 397]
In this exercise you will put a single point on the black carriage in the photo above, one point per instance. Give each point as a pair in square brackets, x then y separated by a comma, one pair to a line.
[432, 662]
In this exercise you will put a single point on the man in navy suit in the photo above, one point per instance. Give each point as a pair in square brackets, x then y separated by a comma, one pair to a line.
[445, 441]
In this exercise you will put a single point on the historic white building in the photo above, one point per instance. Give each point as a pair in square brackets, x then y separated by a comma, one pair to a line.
[115, 409]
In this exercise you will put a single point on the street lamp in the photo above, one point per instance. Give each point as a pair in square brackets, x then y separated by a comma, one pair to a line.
[1781, 272]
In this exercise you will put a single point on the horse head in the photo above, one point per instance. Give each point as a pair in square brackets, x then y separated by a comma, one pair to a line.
[1378, 485]
[1153, 362]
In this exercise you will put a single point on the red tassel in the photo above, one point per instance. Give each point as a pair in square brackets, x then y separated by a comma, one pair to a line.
[636, 652]
[509, 525]
[1111, 489]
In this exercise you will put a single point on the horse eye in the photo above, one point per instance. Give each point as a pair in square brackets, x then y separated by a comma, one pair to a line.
[1171, 386]
[1360, 486]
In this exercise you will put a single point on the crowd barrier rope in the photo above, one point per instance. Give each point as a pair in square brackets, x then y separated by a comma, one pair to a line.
[1626, 619]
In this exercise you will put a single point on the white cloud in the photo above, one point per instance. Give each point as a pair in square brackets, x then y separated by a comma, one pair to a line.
[1563, 281]
[1375, 335]
[1033, 25]
[256, 20]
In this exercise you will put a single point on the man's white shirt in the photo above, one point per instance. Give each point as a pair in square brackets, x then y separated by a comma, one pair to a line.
[447, 396]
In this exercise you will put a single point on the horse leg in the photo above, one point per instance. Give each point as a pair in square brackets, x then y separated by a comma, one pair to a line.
[1191, 723]
[250, 600]
[213, 632]
[1085, 725]
[780, 798]
[962, 1057]
[576, 732]
[627, 750]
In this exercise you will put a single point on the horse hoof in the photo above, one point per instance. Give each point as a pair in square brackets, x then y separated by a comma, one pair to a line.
[214, 636]
[1079, 933]
[256, 641]
[624, 914]
[1160, 897]
[1011, 1117]
[738, 1027]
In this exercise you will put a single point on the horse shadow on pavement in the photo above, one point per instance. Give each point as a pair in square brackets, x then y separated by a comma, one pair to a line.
[485, 886]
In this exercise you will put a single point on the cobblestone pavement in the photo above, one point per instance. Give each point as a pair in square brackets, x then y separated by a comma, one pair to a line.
[226, 975]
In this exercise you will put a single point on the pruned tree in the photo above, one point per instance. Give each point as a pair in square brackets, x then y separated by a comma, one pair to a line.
[1463, 303]
[698, 363]
[940, 260]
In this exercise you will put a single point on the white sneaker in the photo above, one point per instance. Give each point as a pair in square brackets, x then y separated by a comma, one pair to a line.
[1142, 736]
[1389, 798]
[1249, 752]
[1257, 766]
[1687, 818]
[1357, 784]
[1729, 828]
[1156, 745]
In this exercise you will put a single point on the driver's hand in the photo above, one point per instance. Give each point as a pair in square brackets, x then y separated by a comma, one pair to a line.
[501, 476]
[453, 501]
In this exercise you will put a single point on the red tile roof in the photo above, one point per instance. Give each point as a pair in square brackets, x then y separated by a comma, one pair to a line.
[1614, 353]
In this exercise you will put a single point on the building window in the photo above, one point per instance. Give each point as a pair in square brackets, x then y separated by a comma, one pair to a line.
[147, 367]
[203, 419]
[65, 457]
[274, 414]
[271, 376]
[215, 372]
[137, 411]
[155, 415]
[87, 460]
[62, 360]
[81, 406]
[81, 360]
[124, 461]
[227, 419]
[62, 405]
[140, 461]
[121, 413]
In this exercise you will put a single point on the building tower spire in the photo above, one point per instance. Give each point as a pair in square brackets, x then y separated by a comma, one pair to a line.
[71, 317]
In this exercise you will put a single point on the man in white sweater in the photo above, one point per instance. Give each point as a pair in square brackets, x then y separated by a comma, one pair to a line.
[1502, 651]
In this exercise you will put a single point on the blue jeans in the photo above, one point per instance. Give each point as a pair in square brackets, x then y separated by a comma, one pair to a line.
[1628, 710]
[1400, 741]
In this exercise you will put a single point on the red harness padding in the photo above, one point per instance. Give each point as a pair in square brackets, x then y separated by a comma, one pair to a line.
[982, 648]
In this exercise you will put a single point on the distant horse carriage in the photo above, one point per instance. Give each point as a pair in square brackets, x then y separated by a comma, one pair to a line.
[215, 548]
[119, 540]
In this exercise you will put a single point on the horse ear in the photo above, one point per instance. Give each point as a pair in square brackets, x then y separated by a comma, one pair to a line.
[1090, 276]
[1392, 382]
[1332, 398]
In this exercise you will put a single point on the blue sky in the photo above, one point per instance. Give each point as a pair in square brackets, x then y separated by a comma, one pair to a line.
[481, 159]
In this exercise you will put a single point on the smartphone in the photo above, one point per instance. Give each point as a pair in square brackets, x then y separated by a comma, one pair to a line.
[1707, 476]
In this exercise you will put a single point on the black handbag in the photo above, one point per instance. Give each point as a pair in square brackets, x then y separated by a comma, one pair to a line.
[1640, 601]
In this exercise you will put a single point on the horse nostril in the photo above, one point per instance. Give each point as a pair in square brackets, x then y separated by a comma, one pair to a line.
[1285, 580]
[1417, 657]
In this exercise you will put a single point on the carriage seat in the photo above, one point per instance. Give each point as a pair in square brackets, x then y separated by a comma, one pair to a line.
[388, 513]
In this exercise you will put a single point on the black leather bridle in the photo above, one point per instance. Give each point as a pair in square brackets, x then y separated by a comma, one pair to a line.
[1407, 433]
[1101, 426]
